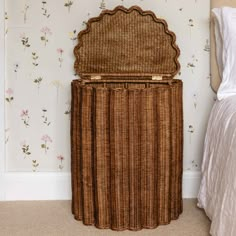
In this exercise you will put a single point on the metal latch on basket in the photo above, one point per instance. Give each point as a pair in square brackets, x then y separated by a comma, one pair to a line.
[96, 77]
[156, 77]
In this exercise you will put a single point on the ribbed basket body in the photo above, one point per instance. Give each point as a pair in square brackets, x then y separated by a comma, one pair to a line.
[127, 128]
[127, 148]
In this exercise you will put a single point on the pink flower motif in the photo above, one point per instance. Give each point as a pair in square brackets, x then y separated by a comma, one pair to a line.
[24, 113]
[60, 158]
[25, 117]
[9, 91]
[9, 95]
[46, 138]
[45, 145]
[23, 143]
[60, 50]
[46, 30]
[60, 59]
[22, 35]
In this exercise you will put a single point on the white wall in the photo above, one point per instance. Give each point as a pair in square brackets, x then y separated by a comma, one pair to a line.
[190, 21]
[2, 112]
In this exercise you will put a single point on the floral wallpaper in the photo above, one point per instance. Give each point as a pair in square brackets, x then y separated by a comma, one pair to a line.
[40, 37]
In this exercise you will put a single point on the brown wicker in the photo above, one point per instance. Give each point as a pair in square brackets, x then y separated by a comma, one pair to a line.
[129, 42]
[126, 129]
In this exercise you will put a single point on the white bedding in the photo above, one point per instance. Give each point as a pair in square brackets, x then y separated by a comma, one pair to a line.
[217, 193]
[225, 36]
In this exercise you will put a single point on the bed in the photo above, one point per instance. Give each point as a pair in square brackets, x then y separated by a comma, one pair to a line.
[217, 194]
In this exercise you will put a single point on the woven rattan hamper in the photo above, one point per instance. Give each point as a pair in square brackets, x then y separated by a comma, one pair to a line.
[127, 122]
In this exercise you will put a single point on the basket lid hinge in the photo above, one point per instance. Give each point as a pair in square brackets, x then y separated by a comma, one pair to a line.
[156, 77]
[99, 77]
[96, 77]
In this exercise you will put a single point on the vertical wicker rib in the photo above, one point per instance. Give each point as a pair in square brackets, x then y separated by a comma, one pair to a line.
[119, 161]
[164, 154]
[127, 155]
[74, 155]
[76, 152]
[180, 144]
[134, 159]
[87, 155]
[149, 158]
[102, 165]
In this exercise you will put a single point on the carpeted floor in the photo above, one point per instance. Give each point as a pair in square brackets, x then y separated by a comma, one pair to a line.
[54, 218]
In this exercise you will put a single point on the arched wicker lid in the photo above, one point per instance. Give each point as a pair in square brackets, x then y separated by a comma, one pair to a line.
[126, 42]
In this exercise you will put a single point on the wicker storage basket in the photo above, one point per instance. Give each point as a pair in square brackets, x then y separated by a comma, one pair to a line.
[127, 122]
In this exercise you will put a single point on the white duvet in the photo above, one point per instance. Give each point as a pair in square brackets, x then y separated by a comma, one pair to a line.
[217, 193]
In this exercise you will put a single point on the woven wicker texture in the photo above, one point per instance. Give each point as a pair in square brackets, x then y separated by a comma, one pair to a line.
[126, 42]
[127, 164]
[126, 129]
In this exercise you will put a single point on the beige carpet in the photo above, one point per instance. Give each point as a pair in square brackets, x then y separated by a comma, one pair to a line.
[40, 218]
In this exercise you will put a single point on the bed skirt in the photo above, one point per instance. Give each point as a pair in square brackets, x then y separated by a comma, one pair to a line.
[127, 148]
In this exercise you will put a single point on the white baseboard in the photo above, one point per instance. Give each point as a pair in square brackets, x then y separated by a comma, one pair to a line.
[35, 186]
[57, 186]
[191, 183]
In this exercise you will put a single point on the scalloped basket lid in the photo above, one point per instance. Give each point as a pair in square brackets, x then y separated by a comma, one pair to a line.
[126, 42]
